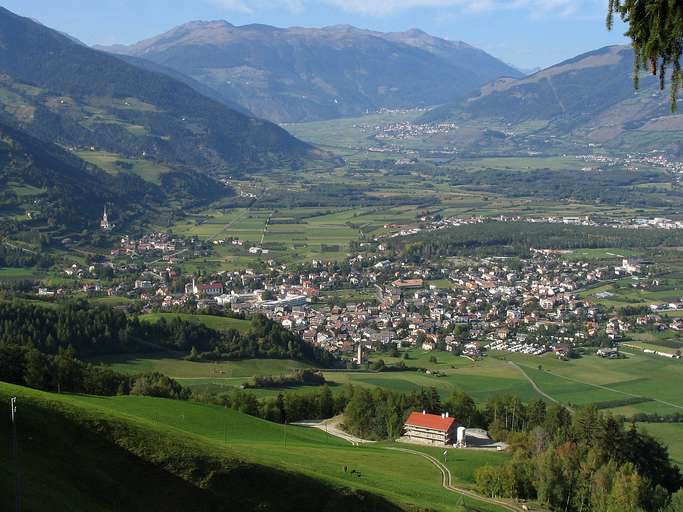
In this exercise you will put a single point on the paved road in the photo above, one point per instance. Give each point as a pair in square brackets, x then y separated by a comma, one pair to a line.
[447, 482]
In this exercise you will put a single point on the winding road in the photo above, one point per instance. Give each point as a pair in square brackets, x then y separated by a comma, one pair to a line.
[539, 390]
[332, 427]
[447, 481]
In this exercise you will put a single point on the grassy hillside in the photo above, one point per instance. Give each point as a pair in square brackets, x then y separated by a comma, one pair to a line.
[192, 373]
[185, 451]
[97, 460]
[51, 186]
[671, 434]
[220, 323]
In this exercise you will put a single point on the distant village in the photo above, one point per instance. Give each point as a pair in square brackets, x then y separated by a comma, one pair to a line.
[434, 224]
[370, 302]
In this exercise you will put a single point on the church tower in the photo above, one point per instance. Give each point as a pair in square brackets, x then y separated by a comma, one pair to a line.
[104, 223]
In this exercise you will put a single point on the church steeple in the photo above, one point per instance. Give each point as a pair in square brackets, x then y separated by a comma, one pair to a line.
[104, 223]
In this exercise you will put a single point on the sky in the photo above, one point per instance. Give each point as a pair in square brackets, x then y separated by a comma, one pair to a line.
[525, 33]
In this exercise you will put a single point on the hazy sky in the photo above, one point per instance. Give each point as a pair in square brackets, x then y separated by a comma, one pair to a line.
[526, 33]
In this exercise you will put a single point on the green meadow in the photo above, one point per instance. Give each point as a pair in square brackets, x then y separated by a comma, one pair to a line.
[671, 435]
[172, 435]
[112, 163]
[189, 372]
[591, 379]
[219, 323]
[398, 476]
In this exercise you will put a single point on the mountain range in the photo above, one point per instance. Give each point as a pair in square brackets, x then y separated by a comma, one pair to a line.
[590, 95]
[63, 92]
[303, 74]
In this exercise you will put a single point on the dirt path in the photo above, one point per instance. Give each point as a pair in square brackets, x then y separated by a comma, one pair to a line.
[537, 389]
[331, 426]
[447, 482]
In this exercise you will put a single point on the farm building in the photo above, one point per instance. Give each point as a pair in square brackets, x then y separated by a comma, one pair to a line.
[430, 428]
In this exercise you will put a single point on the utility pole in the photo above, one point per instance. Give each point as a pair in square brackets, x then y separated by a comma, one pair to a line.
[225, 426]
[15, 454]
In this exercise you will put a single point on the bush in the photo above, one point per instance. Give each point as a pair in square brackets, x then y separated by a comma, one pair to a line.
[158, 385]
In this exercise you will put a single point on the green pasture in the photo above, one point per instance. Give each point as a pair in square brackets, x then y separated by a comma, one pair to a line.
[193, 373]
[146, 169]
[400, 477]
[671, 434]
[220, 323]
[591, 379]
[12, 273]
[623, 294]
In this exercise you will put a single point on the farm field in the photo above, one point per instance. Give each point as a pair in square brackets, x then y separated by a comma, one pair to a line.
[639, 383]
[481, 379]
[400, 477]
[591, 379]
[621, 294]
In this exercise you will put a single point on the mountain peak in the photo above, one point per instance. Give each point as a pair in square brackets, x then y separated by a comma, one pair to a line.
[299, 73]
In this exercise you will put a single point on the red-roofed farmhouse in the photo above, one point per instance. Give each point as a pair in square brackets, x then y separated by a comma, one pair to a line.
[436, 429]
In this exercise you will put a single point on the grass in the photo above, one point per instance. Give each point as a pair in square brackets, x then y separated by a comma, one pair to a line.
[578, 380]
[301, 449]
[110, 162]
[588, 379]
[671, 434]
[623, 294]
[225, 372]
[94, 457]
[219, 323]
[223, 453]
[481, 379]
[18, 273]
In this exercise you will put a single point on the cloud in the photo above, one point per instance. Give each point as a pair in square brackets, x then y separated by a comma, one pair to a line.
[253, 6]
[533, 8]
[233, 5]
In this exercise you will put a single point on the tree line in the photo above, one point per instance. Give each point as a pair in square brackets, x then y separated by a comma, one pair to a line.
[283, 408]
[515, 238]
[63, 372]
[587, 461]
[305, 377]
[93, 330]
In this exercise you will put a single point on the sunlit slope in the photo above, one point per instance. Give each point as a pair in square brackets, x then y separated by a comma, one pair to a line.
[213, 453]
[75, 455]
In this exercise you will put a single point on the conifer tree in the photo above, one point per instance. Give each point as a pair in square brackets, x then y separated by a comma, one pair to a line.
[656, 31]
